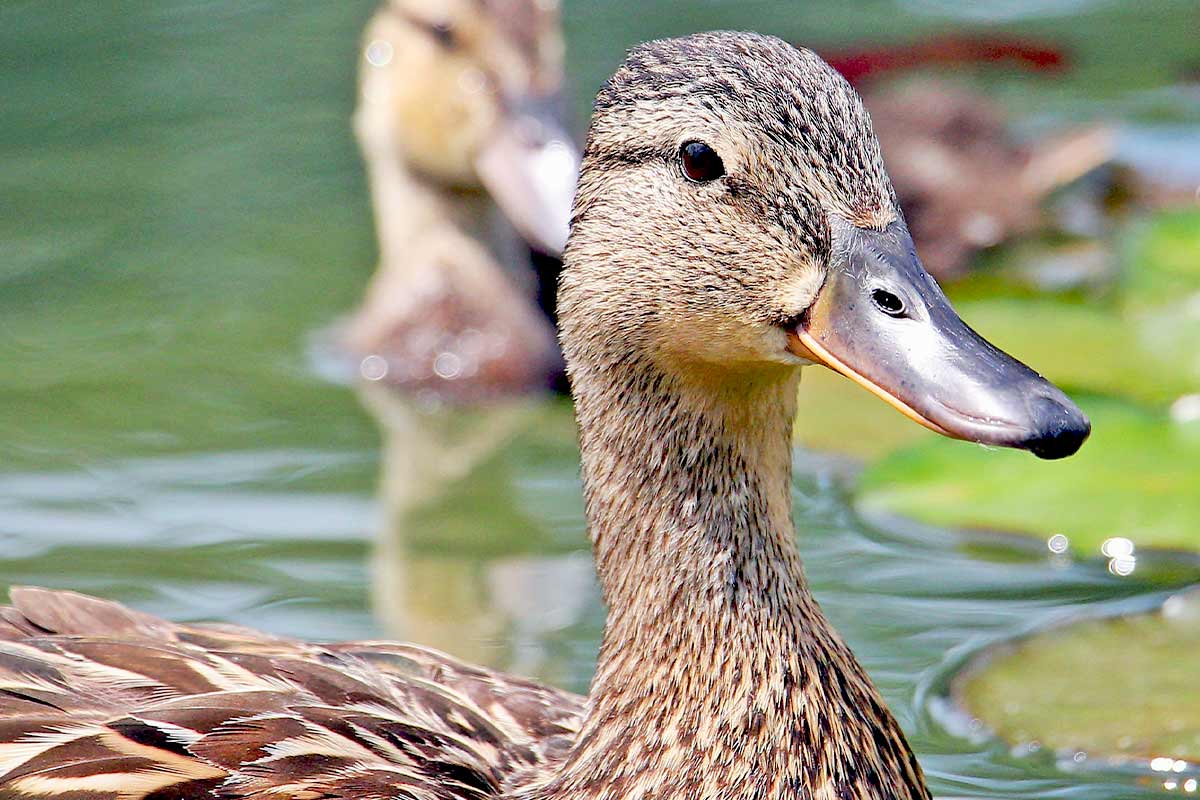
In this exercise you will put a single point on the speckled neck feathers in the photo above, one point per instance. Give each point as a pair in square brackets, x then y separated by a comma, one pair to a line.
[719, 676]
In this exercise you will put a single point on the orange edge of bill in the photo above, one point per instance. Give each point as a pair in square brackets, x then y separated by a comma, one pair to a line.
[823, 356]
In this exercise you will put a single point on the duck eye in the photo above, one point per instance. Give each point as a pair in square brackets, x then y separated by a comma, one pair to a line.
[887, 302]
[700, 162]
[443, 33]
[440, 30]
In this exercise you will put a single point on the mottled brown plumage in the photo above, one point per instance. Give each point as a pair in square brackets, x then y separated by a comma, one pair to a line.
[719, 678]
[97, 701]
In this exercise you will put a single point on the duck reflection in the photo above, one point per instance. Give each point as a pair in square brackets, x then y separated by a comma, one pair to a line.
[464, 559]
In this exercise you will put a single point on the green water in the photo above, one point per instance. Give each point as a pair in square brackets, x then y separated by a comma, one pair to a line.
[183, 210]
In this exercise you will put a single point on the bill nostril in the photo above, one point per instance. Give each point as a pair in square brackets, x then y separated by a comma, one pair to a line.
[1061, 428]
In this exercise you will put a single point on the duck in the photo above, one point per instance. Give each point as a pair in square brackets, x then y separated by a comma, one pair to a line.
[733, 225]
[438, 466]
[459, 122]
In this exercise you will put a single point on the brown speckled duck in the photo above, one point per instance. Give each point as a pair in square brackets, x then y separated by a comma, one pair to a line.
[467, 161]
[733, 224]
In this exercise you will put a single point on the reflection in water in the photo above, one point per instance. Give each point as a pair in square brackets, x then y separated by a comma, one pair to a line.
[260, 538]
[441, 465]
[1119, 552]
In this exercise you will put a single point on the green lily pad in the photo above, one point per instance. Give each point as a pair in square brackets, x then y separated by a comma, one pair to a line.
[1136, 478]
[1164, 262]
[1161, 295]
[1085, 348]
[1122, 688]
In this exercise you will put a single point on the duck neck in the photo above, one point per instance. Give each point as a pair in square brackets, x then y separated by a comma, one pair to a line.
[718, 676]
[413, 211]
[435, 242]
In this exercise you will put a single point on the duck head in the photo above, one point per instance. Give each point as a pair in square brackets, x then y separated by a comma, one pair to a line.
[474, 103]
[734, 219]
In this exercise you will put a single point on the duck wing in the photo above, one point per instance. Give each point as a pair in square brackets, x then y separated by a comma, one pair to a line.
[100, 702]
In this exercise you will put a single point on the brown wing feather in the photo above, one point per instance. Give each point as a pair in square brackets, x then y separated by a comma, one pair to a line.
[99, 702]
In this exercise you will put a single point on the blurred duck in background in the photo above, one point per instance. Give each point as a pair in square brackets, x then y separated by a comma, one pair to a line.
[469, 168]
[966, 180]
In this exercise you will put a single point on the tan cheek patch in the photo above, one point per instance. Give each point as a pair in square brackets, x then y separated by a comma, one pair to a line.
[800, 289]
[710, 339]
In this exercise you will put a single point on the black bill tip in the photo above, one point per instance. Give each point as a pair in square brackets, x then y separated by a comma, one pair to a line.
[1062, 430]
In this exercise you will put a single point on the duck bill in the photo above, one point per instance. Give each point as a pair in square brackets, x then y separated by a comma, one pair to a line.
[529, 166]
[881, 320]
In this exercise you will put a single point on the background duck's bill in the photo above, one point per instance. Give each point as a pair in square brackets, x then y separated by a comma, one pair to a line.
[882, 321]
[530, 166]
